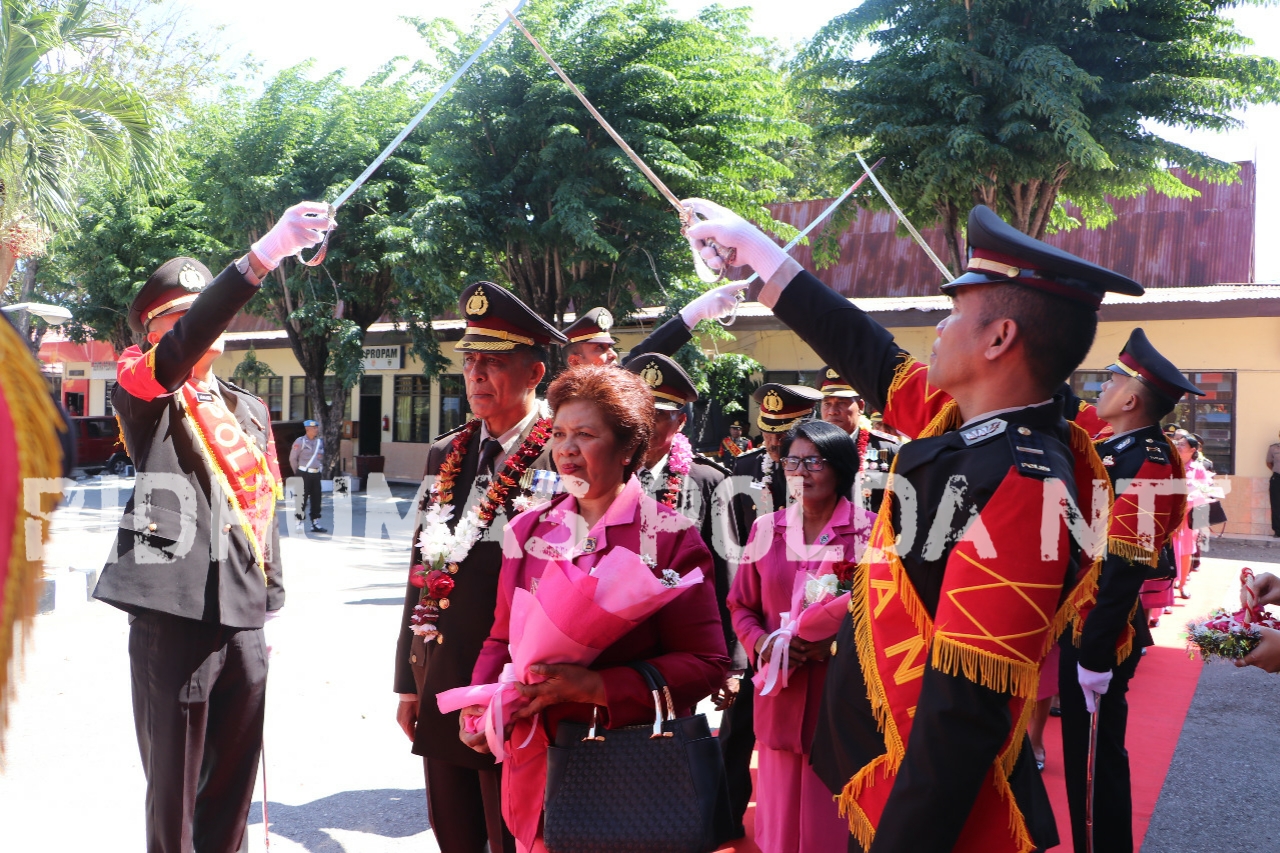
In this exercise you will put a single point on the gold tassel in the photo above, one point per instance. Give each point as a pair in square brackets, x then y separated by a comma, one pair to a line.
[859, 824]
[900, 376]
[1009, 757]
[1017, 823]
[1131, 552]
[36, 424]
[947, 419]
[1021, 678]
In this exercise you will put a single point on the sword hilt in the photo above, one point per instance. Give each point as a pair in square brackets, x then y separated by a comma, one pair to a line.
[687, 218]
[318, 257]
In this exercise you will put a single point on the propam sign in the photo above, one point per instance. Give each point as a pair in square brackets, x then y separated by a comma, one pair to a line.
[383, 358]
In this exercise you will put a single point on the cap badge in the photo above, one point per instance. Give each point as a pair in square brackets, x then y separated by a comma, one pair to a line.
[831, 374]
[652, 374]
[604, 321]
[190, 279]
[772, 402]
[478, 304]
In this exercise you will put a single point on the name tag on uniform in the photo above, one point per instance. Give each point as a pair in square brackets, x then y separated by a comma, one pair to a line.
[204, 396]
[756, 485]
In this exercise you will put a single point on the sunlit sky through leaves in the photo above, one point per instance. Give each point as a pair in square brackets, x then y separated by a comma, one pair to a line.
[361, 36]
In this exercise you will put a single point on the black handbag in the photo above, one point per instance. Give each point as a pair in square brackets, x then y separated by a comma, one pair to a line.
[637, 789]
[1217, 515]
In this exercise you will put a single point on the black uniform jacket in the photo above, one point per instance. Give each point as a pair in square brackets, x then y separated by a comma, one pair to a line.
[183, 552]
[429, 668]
[959, 725]
[756, 499]
[665, 339]
[704, 500]
[1121, 579]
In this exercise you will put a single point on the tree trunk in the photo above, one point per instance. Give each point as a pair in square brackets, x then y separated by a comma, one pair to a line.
[23, 318]
[7, 262]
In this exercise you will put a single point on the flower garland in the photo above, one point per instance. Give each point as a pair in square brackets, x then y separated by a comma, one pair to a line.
[679, 458]
[766, 471]
[864, 438]
[443, 549]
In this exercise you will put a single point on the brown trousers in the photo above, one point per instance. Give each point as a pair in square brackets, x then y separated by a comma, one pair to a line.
[465, 808]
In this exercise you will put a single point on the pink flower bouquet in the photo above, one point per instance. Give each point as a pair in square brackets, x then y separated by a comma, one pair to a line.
[571, 619]
[818, 602]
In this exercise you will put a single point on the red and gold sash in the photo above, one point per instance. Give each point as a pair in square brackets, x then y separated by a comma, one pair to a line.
[729, 446]
[249, 476]
[997, 617]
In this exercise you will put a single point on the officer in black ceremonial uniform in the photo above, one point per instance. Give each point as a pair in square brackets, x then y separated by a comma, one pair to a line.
[957, 775]
[587, 338]
[503, 362]
[196, 563]
[760, 487]
[1094, 673]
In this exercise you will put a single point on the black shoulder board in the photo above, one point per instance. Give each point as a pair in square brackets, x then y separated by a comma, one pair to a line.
[699, 459]
[1157, 451]
[1029, 457]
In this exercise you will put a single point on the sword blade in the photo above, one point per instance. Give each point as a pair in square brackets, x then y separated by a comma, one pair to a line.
[1088, 777]
[435, 99]
[902, 217]
[640, 164]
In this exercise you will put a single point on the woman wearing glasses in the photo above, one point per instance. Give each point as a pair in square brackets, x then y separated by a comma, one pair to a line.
[787, 552]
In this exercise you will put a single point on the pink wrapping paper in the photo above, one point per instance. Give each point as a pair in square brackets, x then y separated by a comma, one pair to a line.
[819, 621]
[571, 619]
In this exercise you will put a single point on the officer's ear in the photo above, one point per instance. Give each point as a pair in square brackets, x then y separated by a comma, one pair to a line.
[1001, 336]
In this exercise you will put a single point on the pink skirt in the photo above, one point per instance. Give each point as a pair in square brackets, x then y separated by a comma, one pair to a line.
[1049, 675]
[1157, 594]
[795, 813]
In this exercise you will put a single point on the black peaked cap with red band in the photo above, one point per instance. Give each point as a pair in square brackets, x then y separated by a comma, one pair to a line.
[783, 406]
[832, 384]
[1144, 362]
[497, 321]
[671, 387]
[591, 327]
[1001, 254]
[170, 289]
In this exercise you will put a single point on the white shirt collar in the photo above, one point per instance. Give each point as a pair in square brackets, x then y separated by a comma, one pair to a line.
[509, 438]
[988, 415]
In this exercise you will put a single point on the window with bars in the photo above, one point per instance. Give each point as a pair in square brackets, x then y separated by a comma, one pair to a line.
[411, 406]
[109, 409]
[300, 408]
[454, 410]
[270, 389]
[1212, 417]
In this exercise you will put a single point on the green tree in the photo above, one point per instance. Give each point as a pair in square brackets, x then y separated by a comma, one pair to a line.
[120, 235]
[532, 193]
[1022, 105]
[305, 139]
[56, 118]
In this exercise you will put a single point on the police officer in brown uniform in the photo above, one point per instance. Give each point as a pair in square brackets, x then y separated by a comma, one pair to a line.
[446, 622]
[196, 563]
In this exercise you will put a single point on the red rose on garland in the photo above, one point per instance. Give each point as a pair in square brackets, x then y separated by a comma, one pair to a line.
[438, 583]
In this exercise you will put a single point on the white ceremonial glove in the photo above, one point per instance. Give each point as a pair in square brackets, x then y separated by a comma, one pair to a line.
[302, 226]
[715, 303]
[754, 248]
[268, 633]
[1094, 684]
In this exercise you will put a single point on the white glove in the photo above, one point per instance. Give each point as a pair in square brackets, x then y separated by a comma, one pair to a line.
[715, 303]
[301, 227]
[731, 231]
[1094, 684]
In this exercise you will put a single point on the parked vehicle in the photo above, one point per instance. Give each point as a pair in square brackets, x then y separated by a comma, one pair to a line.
[98, 445]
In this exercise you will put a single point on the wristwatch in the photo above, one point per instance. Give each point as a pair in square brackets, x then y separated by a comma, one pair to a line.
[251, 268]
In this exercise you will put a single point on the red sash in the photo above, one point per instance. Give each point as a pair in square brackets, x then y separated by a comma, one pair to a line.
[249, 476]
[997, 617]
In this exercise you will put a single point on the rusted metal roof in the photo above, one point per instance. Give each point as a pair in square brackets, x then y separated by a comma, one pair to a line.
[1159, 241]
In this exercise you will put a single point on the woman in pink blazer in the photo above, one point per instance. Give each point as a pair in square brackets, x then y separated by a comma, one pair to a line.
[795, 812]
[603, 421]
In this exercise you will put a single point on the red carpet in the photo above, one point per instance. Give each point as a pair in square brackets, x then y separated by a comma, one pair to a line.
[1159, 697]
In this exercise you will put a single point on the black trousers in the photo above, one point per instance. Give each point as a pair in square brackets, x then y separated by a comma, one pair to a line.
[199, 691]
[737, 742]
[310, 494]
[1112, 793]
[465, 808]
[1275, 504]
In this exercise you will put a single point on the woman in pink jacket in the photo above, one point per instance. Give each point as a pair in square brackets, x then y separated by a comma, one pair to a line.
[787, 552]
[603, 422]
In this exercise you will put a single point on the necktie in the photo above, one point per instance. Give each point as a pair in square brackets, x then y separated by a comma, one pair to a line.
[489, 449]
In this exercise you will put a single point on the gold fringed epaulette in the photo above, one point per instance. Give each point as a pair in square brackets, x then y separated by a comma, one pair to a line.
[947, 419]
